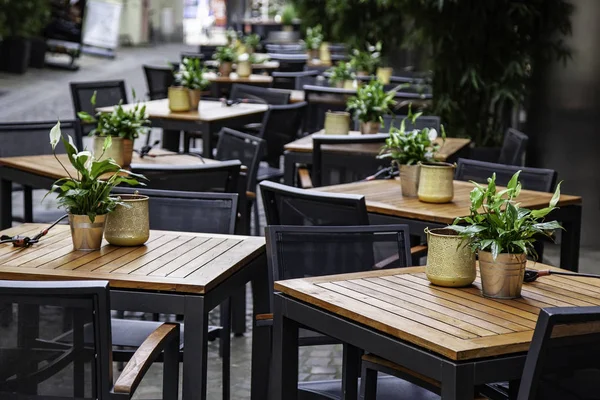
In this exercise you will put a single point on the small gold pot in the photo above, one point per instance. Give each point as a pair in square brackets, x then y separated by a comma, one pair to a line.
[129, 225]
[86, 235]
[244, 69]
[225, 68]
[179, 99]
[195, 96]
[436, 182]
[450, 261]
[370, 128]
[350, 84]
[116, 151]
[502, 278]
[409, 180]
[384, 74]
[324, 53]
[337, 123]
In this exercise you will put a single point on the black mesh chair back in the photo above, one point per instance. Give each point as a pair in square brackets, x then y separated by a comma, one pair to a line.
[289, 62]
[428, 121]
[189, 211]
[257, 94]
[31, 138]
[333, 162]
[196, 56]
[248, 149]
[304, 251]
[513, 148]
[562, 362]
[285, 48]
[108, 93]
[207, 51]
[286, 205]
[538, 179]
[221, 177]
[158, 80]
[280, 126]
[294, 80]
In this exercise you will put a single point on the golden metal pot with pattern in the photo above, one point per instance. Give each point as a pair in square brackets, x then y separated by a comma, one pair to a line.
[450, 261]
[436, 182]
[129, 224]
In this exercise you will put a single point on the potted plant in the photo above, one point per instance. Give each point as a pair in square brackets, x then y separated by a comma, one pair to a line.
[502, 233]
[312, 41]
[288, 15]
[369, 106]
[122, 125]
[191, 76]
[342, 75]
[244, 65]
[251, 42]
[407, 149]
[86, 195]
[365, 63]
[226, 56]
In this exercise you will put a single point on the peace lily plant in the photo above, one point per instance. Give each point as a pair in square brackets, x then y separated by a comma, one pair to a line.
[370, 104]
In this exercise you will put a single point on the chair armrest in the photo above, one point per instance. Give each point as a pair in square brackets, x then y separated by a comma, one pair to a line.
[264, 320]
[420, 250]
[416, 251]
[304, 176]
[144, 356]
[250, 195]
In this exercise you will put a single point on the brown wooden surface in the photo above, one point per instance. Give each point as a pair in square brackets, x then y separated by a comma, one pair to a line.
[385, 197]
[459, 324]
[209, 111]
[169, 261]
[260, 65]
[305, 145]
[234, 78]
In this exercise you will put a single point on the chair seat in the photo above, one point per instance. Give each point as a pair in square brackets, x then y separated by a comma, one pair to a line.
[268, 173]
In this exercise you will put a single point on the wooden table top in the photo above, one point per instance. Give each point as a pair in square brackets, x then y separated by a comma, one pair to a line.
[208, 111]
[46, 165]
[385, 197]
[169, 261]
[305, 145]
[259, 65]
[234, 78]
[456, 323]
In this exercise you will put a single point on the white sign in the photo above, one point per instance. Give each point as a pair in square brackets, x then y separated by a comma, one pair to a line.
[102, 20]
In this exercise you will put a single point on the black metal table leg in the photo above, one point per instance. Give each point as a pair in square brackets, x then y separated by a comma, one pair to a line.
[226, 349]
[457, 382]
[350, 371]
[27, 204]
[207, 132]
[289, 169]
[171, 139]
[571, 236]
[5, 204]
[285, 355]
[196, 348]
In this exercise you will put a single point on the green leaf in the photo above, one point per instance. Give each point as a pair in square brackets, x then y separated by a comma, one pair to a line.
[512, 184]
[495, 249]
[547, 226]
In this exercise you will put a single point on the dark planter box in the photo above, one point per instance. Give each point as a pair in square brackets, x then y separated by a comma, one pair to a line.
[489, 154]
[14, 54]
[37, 55]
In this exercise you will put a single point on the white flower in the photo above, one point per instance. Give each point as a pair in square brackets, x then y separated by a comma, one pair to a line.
[428, 155]
[55, 135]
[243, 57]
[72, 143]
[88, 162]
[432, 134]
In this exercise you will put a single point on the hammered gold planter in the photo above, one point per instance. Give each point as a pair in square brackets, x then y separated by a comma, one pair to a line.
[350, 85]
[129, 225]
[195, 95]
[436, 182]
[324, 53]
[370, 128]
[337, 123]
[409, 180]
[502, 278]
[244, 69]
[384, 75]
[450, 262]
[179, 99]
[86, 235]
[116, 151]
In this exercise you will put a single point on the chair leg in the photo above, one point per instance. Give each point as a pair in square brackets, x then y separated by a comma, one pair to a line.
[225, 348]
[256, 220]
[368, 383]
[171, 371]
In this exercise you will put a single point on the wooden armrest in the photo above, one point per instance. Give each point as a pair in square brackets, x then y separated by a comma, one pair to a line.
[414, 251]
[262, 317]
[305, 180]
[250, 195]
[144, 356]
[264, 320]
[418, 250]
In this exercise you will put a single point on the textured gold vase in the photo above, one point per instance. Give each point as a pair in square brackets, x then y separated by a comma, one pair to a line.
[244, 69]
[450, 262]
[501, 278]
[179, 99]
[384, 74]
[370, 128]
[129, 225]
[86, 235]
[116, 151]
[325, 53]
[337, 123]
[436, 182]
[409, 180]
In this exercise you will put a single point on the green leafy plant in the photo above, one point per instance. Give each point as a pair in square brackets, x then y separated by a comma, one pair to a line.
[288, 14]
[411, 147]
[225, 54]
[191, 74]
[498, 224]
[371, 102]
[341, 72]
[24, 18]
[314, 38]
[366, 61]
[88, 192]
[231, 36]
[251, 42]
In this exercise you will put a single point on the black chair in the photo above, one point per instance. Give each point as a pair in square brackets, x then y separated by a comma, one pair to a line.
[197, 56]
[108, 93]
[48, 361]
[285, 48]
[424, 121]
[207, 51]
[289, 62]
[257, 94]
[538, 179]
[158, 80]
[294, 80]
[29, 139]
[513, 148]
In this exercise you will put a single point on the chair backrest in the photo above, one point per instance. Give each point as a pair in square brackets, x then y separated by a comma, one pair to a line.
[197, 56]
[257, 94]
[425, 121]
[158, 80]
[189, 211]
[562, 361]
[220, 177]
[235, 145]
[286, 205]
[539, 179]
[303, 251]
[289, 62]
[31, 138]
[285, 48]
[294, 80]
[207, 51]
[338, 164]
[108, 93]
[34, 362]
[513, 148]
[280, 126]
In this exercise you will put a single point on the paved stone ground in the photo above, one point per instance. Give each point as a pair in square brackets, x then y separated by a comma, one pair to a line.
[41, 95]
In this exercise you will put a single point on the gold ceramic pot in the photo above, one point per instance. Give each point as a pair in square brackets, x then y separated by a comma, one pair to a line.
[349, 84]
[370, 128]
[195, 96]
[436, 183]
[324, 53]
[409, 180]
[179, 99]
[116, 151]
[384, 74]
[225, 68]
[337, 123]
[502, 278]
[450, 261]
[86, 235]
[244, 69]
[129, 225]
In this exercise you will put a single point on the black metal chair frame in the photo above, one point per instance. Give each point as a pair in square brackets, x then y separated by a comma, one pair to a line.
[257, 94]
[96, 85]
[153, 93]
[510, 156]
[284, 77]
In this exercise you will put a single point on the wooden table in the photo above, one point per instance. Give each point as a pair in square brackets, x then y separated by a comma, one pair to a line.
[386, 204]
[174, 273]
[453, 336]
[262, 66]
[209, 119]
[300, 151]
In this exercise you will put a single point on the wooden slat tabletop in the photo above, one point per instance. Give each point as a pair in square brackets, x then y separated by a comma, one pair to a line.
[260, 65]
[234, 78]
[459, 324]
[305, 145]
[385, 197]
[208, 111]
[169, 261]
